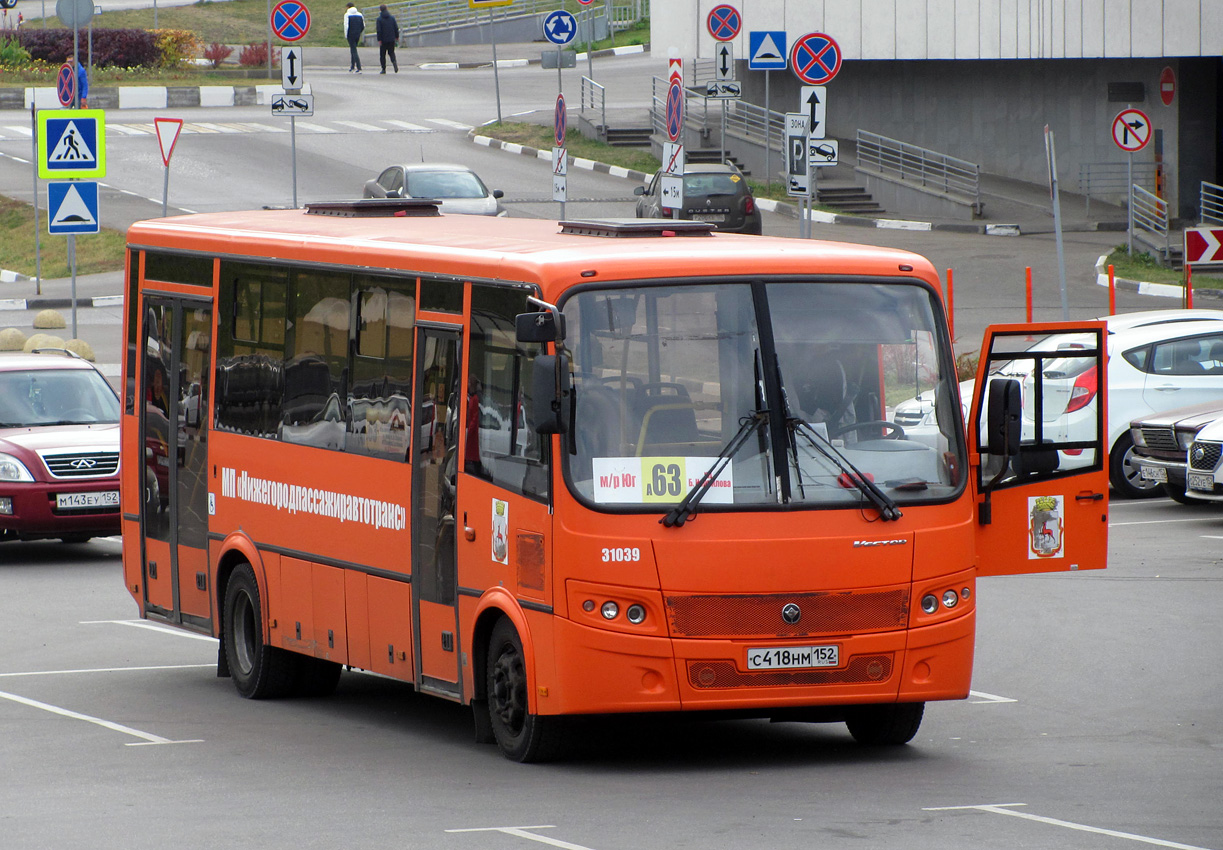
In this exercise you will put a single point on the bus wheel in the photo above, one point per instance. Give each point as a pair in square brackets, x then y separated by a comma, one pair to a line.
[315, 677]
[522, 736]
[259, 671]
[887, 724]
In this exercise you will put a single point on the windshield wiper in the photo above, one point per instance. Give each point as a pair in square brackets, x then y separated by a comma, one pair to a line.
[883, 503]
[686, 509]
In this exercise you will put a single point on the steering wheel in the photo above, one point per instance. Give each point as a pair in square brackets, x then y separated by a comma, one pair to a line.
[894, 431]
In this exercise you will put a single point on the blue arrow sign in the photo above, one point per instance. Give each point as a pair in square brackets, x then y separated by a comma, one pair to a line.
[767, 50]
[73, 207]
[560, 27]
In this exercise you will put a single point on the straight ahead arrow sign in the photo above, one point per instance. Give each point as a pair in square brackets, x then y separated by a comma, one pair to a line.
[813, 100]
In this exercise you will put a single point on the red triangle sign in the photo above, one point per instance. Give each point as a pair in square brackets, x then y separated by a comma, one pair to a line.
[167, 134]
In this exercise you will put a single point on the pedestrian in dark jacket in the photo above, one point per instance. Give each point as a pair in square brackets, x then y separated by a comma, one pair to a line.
[354, 25]
[387, 29]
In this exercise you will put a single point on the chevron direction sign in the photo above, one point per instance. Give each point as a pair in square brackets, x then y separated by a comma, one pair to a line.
[1203, 245]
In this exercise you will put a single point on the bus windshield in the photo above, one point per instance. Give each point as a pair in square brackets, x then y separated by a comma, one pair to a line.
[792, 382]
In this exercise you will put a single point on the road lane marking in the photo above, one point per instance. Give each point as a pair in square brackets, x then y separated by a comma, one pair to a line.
[153, 627]
[362, 126]
[146, 737]
[982, 698]
[408, 125]
[1003, 809]
[103, 670]
[446, 122]
[521, 832]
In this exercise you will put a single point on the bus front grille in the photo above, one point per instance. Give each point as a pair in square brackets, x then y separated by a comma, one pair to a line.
[724, 674]
[760, 616]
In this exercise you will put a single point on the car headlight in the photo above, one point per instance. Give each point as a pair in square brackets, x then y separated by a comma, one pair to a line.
[1184, 439]
[12, 469]
[1136, 436]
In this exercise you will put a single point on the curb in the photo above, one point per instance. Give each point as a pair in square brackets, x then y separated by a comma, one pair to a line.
[1142, 287]
[7, 276]
[546, 156]
[17, 304]
[520, 63]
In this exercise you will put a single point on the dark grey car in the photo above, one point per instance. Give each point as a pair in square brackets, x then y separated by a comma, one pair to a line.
[712, 192]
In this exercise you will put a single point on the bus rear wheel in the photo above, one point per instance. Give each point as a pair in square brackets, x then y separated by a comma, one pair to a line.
[521, 735]
[886, 724]
[259, 671]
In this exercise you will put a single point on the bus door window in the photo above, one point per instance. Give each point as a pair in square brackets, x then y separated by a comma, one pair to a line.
[500, 443]
[158, 438]
[436, 467]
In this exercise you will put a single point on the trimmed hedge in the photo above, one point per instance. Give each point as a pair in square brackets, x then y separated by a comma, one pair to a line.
[126, 48]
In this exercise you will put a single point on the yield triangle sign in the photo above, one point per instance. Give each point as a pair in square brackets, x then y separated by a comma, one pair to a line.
[167, 134]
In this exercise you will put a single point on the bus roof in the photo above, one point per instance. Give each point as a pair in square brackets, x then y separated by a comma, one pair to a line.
[528, 250]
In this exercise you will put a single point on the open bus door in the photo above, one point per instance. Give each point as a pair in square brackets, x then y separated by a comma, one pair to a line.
[1037, 438]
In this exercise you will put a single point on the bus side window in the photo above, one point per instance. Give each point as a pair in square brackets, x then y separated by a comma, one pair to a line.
[500, 443]
[250, 348]
[380, 398]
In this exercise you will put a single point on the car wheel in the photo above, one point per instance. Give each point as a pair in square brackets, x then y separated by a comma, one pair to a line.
[76, 538]
[885, 724]
[1124, 474]
[1177, 494]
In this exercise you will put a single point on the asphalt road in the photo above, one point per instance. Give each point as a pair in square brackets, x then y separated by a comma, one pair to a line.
[1093, 723]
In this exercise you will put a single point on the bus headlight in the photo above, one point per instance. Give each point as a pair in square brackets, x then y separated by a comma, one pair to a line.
[635, 614]
[929, 603]
[950, 598]
[609, 610]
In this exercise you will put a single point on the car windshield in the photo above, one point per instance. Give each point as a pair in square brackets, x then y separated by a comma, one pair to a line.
[56, 397]
[793, 381]
[445, 184]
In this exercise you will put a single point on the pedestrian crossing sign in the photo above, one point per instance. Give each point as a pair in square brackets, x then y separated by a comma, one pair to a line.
[71, 143]
[73, 207]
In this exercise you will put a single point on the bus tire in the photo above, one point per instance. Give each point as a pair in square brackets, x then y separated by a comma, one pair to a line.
[259, 671]
[522, 736]
[887, 724]
[315, 677]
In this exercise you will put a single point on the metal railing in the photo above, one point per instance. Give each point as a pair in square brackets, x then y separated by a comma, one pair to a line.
[1101, 179]
[1149, 213]
[926, 168]
[594, 96]
[625, 15]
[1210, 204]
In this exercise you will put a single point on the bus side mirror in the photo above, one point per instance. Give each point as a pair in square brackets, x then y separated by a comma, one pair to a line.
[539, 327]
[1004, 428]
[551, 393]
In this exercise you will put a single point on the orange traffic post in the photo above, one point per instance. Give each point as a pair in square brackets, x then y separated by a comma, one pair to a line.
[1029, 278]
[1112, 292]
[951, 303]
[1189, 286]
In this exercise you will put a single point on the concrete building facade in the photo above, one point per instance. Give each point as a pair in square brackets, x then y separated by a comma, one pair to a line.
[980, 79]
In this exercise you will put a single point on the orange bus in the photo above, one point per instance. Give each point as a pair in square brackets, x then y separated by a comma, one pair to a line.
[551, 469]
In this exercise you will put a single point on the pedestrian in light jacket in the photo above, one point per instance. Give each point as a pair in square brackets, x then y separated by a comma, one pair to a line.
[387, 29]
[354, 25]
